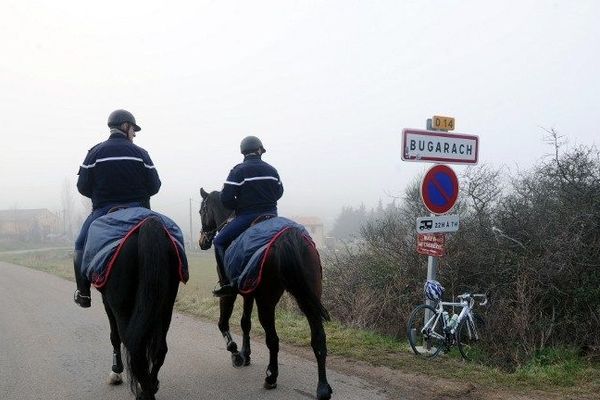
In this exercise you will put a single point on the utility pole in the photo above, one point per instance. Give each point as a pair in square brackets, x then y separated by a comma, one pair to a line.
[191, 227]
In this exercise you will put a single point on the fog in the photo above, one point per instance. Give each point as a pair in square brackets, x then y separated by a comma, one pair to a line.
[327, 86]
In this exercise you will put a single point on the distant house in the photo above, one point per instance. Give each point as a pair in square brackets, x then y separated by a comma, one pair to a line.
[34, 224]
[314, 226]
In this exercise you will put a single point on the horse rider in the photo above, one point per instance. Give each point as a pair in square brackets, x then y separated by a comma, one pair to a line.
[251, 190]
[114, 173]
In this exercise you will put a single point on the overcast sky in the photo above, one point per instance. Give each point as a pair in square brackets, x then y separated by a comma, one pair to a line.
[327, 85]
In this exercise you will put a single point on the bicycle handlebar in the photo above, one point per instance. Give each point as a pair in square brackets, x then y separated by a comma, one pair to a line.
[485, 298]
[473, 296]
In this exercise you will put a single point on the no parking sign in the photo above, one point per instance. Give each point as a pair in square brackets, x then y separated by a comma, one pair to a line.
[439, 189]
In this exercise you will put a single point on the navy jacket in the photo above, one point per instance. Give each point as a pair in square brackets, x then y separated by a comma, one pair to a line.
[252, 186]
[117, 171]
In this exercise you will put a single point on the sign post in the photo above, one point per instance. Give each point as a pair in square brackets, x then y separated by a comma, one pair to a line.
[439, 189]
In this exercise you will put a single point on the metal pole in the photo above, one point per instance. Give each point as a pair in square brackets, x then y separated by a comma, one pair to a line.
[431, 261]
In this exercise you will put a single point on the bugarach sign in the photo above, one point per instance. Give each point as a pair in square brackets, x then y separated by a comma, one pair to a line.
[439, 147]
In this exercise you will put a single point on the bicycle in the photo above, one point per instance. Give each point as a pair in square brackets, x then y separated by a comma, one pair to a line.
[431, 330]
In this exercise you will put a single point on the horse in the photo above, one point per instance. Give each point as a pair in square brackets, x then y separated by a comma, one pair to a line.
[138, 299]
[294, 266]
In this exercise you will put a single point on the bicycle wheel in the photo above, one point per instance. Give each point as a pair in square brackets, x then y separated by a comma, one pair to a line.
[471, 338]
[425, 339]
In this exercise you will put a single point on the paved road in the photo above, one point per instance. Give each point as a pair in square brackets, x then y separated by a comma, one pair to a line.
[51, 349]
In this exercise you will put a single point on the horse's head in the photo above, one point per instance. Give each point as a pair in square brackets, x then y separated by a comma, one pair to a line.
[212, 215]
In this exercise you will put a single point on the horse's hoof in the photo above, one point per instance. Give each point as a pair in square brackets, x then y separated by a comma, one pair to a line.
[114, 378]
[246, 361]
[270, 380]
[232, 347]
[324, 392]
[269, 386]
[145, 396]
[155, 387]
[237, 360]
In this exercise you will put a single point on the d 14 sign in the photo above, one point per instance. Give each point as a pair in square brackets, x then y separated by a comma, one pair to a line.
[442, 123]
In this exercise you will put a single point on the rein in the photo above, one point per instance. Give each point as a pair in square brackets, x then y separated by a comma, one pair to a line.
[206, 237]
[210, 235]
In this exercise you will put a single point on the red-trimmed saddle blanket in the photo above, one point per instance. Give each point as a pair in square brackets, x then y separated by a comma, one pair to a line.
[108, 234]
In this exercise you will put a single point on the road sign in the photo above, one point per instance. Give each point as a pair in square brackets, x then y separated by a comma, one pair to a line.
[450, 148]
[442, 123]
[439, 189]
[437, 224]
[431, 244]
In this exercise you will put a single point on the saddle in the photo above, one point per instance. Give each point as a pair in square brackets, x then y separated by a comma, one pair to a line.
[117, 208]
[108, 233]
[262, 218]
[246, 255]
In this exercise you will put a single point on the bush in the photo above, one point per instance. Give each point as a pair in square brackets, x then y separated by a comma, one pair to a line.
[541, 264]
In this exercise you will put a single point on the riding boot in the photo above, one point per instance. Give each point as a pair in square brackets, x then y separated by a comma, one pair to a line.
[82, 295]
[220, 256]
[226, 288]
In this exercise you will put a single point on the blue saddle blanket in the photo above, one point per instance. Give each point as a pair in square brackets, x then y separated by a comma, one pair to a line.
[107, 233]
[245, 256]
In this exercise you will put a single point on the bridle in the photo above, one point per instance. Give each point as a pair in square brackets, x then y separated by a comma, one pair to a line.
[210, 235]
[207, 237]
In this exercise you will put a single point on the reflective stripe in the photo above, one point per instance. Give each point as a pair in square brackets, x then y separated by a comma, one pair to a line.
[258, 178]
[117, 159]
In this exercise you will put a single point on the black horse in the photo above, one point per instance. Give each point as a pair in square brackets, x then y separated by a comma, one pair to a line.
[138, 299]
[293, 265]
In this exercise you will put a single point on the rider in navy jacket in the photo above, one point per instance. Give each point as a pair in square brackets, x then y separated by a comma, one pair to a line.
[118, 171]
[114, 173]
[251, 189]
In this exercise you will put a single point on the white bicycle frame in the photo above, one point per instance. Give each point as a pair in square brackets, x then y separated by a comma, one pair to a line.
[467, 301]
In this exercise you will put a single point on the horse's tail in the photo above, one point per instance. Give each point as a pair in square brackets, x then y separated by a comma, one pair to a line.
[300, 271]
[146, 330]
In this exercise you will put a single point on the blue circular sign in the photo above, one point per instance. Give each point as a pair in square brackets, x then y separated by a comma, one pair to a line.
[439, 189]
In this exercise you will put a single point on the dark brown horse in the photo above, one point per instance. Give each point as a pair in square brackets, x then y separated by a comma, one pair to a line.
[294, 266]
[138, 299]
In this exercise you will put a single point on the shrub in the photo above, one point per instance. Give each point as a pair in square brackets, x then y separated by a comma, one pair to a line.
[541, 262]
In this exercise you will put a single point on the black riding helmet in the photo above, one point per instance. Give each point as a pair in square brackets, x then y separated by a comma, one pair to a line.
[250, 144]
[118, 117]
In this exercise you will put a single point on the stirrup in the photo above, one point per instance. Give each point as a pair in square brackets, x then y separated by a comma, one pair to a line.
[82, 300]
[225, 291]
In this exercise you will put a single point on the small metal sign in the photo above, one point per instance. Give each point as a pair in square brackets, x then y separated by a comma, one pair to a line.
[432, 146]
[438, 224]
[439, 189]
[431, 244]
[442, 123]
